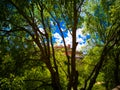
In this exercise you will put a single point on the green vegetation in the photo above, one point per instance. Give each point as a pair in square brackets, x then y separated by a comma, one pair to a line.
[29, 59]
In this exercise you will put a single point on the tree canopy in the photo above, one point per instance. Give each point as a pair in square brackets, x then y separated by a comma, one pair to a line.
[30, 60]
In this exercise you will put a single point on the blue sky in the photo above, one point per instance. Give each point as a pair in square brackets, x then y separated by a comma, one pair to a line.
[81, 39]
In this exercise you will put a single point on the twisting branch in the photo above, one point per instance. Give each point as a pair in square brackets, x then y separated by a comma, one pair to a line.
[34, 26]
[66, 51]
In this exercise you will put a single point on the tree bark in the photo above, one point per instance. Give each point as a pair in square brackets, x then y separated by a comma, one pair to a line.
[54, 76]
[73, 80]
[100, 63]
[55, 81]
[116, 71]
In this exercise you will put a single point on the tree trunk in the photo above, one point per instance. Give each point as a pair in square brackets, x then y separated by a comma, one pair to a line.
[97, 70]
[55, 81]
[105, 51]
[116, 71]
[73, 80]
[54, 76]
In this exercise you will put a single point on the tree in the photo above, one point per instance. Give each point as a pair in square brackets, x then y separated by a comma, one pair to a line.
[31, 20]
[104, 31]
[34, 13]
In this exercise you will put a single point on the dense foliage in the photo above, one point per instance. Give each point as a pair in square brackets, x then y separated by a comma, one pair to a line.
[29, 59]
